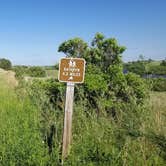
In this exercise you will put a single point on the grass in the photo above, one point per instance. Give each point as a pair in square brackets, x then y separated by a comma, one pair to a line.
[52, 73]
[20, 138]
[158, 111]
[144, 150]
[21, 142]
[152, 64]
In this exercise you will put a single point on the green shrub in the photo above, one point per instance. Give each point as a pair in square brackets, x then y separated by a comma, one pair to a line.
[5, 64]
[159, 70]
[158, 84]
[137, 67]
[137, 87]
[102, 141]
[163, 63]
[20, 71]
[36, 71]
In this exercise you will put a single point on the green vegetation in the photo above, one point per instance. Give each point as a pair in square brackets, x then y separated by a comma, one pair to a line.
[34, 71]
[143, 67]
[5, 64]
[20, 137]
[157, 84]
[153, 71]
[163, 63]
[158, 69]
[97, 140]
[137, 67]
[52, 73]
[113, 122]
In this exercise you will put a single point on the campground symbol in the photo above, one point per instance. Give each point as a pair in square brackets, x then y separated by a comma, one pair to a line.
[72, 70]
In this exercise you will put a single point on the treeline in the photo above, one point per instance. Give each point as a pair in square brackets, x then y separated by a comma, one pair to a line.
[22, 70]
[32, 71]
[153, 71]
[146, 67]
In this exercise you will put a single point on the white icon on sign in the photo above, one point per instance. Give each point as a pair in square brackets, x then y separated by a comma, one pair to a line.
[72, 63]
[70, 78]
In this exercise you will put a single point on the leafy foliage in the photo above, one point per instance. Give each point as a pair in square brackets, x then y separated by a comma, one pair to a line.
[157, 84]
[139, 88]
[20, 71]
[137, 67]
[160, 70]
[163, 63]
[146, 67]
[34, 71]
[73, 47]
[5, 64]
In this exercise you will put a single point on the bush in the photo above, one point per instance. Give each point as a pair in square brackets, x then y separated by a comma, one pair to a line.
[5, 64]
[158, 84]
[137, 87]
[36, 71]
[137, 67]
[20, 71]
[163, 63]
[159, 70]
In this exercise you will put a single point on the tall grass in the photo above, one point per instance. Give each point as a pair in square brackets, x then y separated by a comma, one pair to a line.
[103, 142]
[158, 112]
[20, 138]
[136, 137]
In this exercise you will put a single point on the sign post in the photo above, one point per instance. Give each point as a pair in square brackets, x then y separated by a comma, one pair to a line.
[68, 119]
[71, 70]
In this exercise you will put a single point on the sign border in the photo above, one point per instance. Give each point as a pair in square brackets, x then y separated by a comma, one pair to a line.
[72, 81]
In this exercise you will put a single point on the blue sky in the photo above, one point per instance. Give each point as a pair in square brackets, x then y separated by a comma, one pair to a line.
[32, 30]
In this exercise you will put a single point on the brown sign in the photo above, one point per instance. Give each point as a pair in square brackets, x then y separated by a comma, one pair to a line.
[72, 70]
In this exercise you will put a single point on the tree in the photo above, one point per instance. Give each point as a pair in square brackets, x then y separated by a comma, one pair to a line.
[106, 51]
[5, 64]
[73, 47]
[137, 67]
[163, 63]
[104, 71]
[141, 57]
[102, 52]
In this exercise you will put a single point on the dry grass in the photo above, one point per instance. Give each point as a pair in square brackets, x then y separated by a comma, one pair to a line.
[52, 73]
[158, 111]
[8, 77]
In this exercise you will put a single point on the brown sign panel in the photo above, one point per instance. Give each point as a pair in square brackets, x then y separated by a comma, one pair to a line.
[72, 70]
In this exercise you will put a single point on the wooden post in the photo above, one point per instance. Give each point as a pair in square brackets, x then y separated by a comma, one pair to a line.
[67, 130]
[71, 70]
